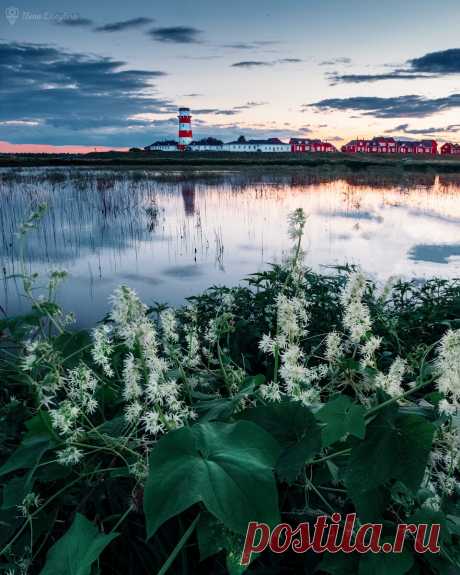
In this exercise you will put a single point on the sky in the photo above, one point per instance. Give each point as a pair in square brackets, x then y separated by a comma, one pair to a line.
[105, 75]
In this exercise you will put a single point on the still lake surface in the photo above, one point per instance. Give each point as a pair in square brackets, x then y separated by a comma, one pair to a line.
[172, 236]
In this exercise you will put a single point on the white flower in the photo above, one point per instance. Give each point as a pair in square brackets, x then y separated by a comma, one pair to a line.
[228, 301]
[127, 312]
[271, 391]
[354, 289]
[152, 423]
[133, 412]
[131, 379]
[102, 348]
[296, 221]
[30, 502]
[169, 328]
[388, 288]
[368, 351]
[267, 344]
[357, 320]
[30, 357]
[139, 470]
[356, 317]
[193, 347]
[69, 456]
[81, 386]
[448, 366]
[212, 333]
[446, 408]
[292, 317]
[146, 335]
[35, 352]
[391, 383]
[65, 417]
[334, 349]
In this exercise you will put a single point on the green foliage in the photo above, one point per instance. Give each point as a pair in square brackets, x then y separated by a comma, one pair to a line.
[296, 430]
[396, 447]
[77, 550]
[228, 467]
[341, 418]
[234, 433]
[382, 564]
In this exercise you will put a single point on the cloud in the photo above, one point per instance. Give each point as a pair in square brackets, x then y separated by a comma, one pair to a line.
[251, 64]
[443, 62]
[404, 128]
[176, 34]
[67, 98]
[431, 65]
[289, 61]
[125, 25]
[74, 22]
[392, 107]
[250, 105]
[335, 61]
[261, 63]
[336, 78]
[250, 45]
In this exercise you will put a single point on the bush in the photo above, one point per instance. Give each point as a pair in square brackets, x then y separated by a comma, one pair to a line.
[153, 440]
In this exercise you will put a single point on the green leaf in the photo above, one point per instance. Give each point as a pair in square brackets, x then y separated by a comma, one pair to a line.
[15, 490]
[341, 417]
[371, 504]
[339, 563]
[396, 447]
[223, 407]
[38, 439]
[77, 550]
[213, 537]
[385, 564]
[228, 467]
[297, 431]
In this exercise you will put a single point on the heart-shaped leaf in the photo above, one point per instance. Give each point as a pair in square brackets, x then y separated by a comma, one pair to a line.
[228, 467]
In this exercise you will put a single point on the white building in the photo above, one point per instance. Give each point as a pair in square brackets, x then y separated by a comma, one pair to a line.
[162, 146]
[206, 145]
[268, 145]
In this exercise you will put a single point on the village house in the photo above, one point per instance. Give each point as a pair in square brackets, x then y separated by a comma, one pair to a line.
[268, 145]
[382, 145]
[162, 146]
[206, 145]
[450, 149]
[309, 145]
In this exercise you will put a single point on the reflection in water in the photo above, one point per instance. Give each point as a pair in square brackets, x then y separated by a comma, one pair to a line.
[172, 236]
[188, 195]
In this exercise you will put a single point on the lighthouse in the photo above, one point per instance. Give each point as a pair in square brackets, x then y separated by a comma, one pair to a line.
[185, 128]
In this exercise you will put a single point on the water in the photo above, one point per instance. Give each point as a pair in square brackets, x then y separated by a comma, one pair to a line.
[172, 236]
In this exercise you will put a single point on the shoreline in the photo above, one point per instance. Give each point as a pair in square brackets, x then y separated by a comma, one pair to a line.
[193, 160]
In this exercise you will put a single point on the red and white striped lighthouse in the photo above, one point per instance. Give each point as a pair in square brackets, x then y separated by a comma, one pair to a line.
[185, 128]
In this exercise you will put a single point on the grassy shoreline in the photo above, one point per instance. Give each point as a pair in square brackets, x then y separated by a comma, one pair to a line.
[193, 160]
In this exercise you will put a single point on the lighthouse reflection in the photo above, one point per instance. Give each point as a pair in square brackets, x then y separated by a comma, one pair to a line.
[188, 196]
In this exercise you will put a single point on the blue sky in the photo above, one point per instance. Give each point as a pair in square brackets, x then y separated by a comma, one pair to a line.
[113, 75]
